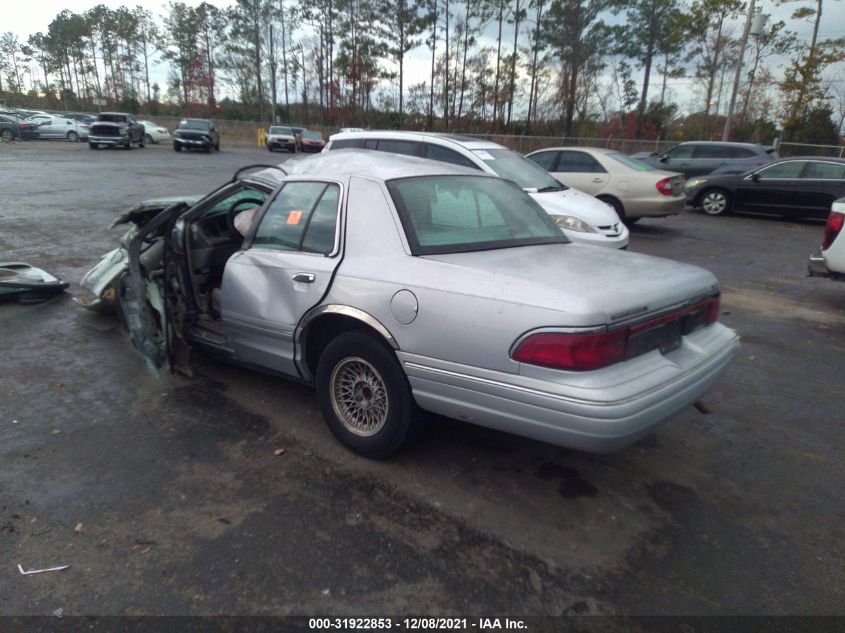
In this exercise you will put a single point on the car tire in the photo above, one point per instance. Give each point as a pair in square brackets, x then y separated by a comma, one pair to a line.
[148, 139]
[177, 147]
[270, 148]
[715, 202]
[365, 396]
[141, 144]
[217, 146]
[7, 135]
[73, 137]
[128, 144]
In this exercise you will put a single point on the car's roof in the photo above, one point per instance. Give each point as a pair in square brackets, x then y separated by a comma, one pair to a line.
[116, 113]
[463, 141]
[373, 164]
[593, 150]
[724, 143]
[829, 159]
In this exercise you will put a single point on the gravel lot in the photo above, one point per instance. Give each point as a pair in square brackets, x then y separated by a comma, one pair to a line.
[166, 496]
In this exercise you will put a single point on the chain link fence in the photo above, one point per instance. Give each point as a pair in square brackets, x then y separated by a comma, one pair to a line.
[525, 144]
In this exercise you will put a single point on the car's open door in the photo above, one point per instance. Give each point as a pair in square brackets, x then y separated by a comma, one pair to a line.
[141, 292]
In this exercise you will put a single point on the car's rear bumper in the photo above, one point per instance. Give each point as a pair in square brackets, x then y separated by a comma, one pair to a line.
[619, 406]
[817, 267]
[656, 207]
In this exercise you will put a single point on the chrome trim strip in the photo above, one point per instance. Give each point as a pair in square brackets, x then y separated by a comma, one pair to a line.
[344, 310]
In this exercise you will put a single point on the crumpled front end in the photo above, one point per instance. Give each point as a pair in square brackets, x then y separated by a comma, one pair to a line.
[100, 283]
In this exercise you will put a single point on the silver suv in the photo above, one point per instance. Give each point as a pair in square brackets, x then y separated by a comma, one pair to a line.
[697, 158]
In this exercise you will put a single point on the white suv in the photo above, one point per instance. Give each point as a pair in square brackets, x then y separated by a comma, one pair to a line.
[280, 137]
[580, 216]
[829, 261]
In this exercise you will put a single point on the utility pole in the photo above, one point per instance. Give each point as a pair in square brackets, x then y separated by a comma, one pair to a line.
[273, 74]
[726, 132]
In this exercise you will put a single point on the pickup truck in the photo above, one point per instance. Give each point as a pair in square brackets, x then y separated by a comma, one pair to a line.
[115, 128]
[829, 260]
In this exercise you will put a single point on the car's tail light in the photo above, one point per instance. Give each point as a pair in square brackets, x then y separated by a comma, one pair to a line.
[578, 352]
[834, 224]
[664, 186]
[584, 352]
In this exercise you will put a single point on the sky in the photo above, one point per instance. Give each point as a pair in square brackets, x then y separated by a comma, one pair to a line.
[20, 18]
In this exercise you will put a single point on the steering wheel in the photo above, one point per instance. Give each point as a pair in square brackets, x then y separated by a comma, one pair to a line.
[247, 203]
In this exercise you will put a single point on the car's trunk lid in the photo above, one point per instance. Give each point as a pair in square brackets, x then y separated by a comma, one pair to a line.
[588, 285]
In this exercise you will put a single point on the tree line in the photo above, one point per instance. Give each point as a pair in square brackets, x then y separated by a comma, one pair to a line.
[571, 67]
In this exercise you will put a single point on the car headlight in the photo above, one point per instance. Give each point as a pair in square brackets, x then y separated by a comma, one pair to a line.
[571, 223]
[692, 183]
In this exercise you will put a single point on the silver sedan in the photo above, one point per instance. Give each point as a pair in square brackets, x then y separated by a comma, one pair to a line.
[59, 127]
[395, 284]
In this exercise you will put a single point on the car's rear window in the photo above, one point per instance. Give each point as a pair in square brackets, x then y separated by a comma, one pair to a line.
[527, 174]
[453, 214]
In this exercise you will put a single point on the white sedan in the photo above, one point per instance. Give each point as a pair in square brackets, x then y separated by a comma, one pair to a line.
[829, 261]
[155, 133]
[635, 190]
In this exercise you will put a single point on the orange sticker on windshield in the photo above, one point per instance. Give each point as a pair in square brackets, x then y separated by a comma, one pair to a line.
[294, 217]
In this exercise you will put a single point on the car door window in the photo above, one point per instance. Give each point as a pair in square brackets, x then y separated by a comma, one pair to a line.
[216, 223]
[446, 155]
[816, 170]
[322, 226]
[578, 162]
[713, 151]
[546, 160]
[742, 152]
[344, 143]
[408, 148]
[791, 169]
[682, 151]
[286, 223]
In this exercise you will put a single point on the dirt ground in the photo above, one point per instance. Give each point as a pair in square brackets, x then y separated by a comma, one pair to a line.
[167, 496]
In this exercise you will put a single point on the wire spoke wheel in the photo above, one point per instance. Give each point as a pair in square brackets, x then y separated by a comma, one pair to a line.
[359, 396]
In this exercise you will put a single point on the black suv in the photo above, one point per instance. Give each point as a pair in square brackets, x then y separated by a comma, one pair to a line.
[697, 158]
[196, 134]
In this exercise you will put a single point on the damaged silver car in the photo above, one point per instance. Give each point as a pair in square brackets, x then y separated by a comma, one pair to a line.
[396, 284]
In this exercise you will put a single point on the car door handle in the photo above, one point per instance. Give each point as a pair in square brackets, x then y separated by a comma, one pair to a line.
[598, 179]
[305, 278]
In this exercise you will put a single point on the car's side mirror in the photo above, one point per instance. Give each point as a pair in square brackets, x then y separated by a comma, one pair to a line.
[663, 158]
[755, 176]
